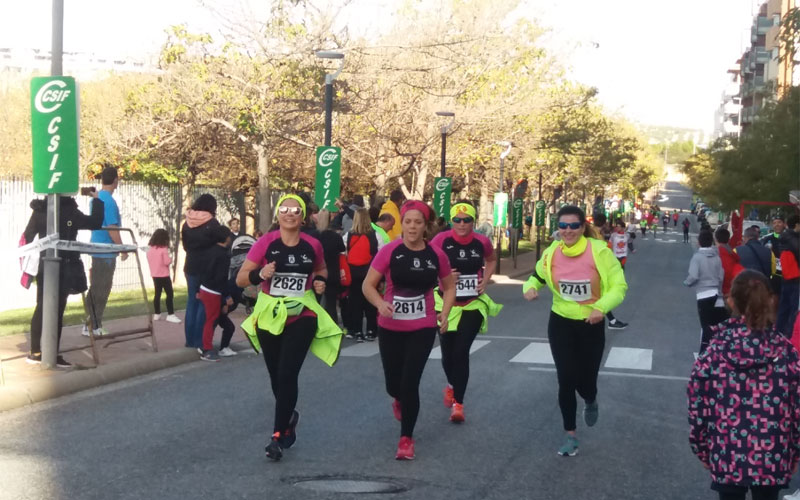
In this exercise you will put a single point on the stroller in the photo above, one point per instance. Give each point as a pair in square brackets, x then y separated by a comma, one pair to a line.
[239, 248]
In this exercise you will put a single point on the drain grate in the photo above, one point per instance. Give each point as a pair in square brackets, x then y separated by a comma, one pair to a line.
[350, 485]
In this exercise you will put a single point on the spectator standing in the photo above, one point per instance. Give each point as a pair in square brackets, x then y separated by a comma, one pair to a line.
[213, 291]
[772, 241]
[197, 237]
[101, 275]
[686, 225]
[361, 245]
[752, 254]
[332, 249]
[790, 286]
[159, 260]
[234, 226]
[384, 223]
[392, 207]
[730, 261]
[72, 277]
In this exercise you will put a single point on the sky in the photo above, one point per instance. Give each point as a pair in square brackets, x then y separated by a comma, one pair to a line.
[656, 62]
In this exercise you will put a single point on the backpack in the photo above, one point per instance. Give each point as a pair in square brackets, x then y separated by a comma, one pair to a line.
[359, 249]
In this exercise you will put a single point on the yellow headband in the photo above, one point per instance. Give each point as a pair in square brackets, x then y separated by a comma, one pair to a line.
[293, 197]
[462, 207]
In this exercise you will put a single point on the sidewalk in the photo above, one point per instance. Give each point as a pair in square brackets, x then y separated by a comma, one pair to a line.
[24, 384]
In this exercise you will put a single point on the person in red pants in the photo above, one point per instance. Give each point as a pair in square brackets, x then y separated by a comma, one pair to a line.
[214, 287]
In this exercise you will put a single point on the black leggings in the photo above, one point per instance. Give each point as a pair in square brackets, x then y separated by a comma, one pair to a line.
[709, 316]
[455, 352]
[228, 328]
[404, 355]
[165, 284]
[577, 349]
[732, 492]
[359, 307]
[284, 355]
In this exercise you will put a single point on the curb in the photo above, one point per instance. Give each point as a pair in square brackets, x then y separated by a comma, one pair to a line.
[81, 380]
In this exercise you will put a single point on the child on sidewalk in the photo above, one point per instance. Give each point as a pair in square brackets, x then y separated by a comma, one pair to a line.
[744, 398]
[159, 260]
[214, 287]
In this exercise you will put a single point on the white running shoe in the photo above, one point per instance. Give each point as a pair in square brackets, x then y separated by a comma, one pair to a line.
[173, 319]
[793, 496]
[156, 317]
[227, 352]
[99, 332]
[85, 330]
[199, 351]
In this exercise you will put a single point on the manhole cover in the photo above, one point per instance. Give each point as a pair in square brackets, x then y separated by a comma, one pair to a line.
[345, 485]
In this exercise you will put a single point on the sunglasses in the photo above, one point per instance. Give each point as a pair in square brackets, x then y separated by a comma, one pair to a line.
[290, 210]
[465, 220]
[571, 225]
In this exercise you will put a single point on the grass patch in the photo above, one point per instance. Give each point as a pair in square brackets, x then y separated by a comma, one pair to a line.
[120, 305]
[524, 246]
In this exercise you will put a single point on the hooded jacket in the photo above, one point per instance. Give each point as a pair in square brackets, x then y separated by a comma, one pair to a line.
[70, 220]
[705, 271]
[744, 406]
[197, 237]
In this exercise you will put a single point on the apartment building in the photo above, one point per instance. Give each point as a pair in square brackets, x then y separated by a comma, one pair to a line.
[726, 117]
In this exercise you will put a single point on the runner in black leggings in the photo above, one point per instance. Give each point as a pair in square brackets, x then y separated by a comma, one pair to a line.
[468, 253]
[407, 320]
[287, 319]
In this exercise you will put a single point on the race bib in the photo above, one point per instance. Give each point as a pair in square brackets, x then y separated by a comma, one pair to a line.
[288, 285]
[467, 285]
[575, 290]
[407, 308]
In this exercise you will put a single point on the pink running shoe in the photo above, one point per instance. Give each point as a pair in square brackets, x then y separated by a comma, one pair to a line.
[405, 449]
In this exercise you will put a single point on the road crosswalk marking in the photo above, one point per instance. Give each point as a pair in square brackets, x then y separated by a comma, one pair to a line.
[436, 353]
[361, 350]
[535, 352]
[630, 358]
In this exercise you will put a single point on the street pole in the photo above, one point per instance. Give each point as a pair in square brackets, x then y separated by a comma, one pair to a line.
[539, 229]
[329, 78]
[445, 129]
[501, 230]
[52, 263]
[444, 152]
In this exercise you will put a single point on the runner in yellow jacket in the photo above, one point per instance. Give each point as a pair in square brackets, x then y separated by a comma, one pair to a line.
[587, 281]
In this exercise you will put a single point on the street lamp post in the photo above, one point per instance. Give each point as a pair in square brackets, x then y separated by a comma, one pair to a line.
[329, 78]
[445, 130]
[500, 189]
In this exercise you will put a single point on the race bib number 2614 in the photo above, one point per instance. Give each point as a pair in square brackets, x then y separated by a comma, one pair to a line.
[407, 308]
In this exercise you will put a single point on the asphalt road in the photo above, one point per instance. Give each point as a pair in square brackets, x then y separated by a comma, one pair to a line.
[199, 431]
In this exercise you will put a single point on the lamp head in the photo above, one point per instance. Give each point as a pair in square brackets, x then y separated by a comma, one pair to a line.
[329, 54]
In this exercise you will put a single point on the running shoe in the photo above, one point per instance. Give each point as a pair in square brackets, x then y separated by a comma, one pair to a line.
[210, 355]
[405, 449]
[290, 435]
[156, 317]
[349, 335]
[617, 325]
[273, 448]
[570, 448]
[397, 409]
[449, 398]
[63, 363]
[591, 412]
[360, 337]
[227, 352]
[371, 336]
[173, 319]
[34, 359]
[457, 413]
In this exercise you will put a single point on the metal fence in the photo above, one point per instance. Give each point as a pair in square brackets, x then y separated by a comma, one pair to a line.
[143, 208]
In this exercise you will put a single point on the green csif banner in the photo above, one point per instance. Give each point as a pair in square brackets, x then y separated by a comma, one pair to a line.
[328, 180]
[54, 134]
[516, 213]
[541, 208]
[442, 188]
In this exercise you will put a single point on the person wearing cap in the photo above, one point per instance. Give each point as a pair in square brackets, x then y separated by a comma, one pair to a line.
[773, 242]
[287, 321]
[586, 281]
[473, 262]
[407, 319]
[197, 236]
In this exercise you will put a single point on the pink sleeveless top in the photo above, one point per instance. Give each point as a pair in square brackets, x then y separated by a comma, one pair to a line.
[576, 278]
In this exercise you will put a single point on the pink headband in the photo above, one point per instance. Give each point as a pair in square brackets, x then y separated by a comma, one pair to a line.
[415, 205]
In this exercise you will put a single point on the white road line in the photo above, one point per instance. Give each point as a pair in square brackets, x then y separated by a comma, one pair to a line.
[436, 353]
[514, 338]
[619, 374]
[536, 352]
[630, 358]
[362, 350]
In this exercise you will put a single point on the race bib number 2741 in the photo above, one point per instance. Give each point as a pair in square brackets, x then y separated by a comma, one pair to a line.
[575, 290]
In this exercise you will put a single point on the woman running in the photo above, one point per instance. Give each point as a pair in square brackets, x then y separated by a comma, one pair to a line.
[287, 320]
[406, 316]
[473, 262]
[587, 281]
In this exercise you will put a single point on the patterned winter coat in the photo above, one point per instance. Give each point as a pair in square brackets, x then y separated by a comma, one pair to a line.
[744, 406]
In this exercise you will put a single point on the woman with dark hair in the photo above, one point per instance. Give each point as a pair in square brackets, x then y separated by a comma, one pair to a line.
[159, 260]
[287, 320]
[407, 319]
[197, 237]
[586, 281]
[473, 261]
[706, 274]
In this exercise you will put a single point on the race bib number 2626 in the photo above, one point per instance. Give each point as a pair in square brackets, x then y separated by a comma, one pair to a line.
[288, 285]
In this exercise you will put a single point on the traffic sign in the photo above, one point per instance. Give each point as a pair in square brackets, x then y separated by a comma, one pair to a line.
[516, 217]
[541, 206]
[328, 181]
[442, 188]
[54, 134]
[500, 214]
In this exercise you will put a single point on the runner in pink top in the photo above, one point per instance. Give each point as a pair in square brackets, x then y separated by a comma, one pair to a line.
[407, 320]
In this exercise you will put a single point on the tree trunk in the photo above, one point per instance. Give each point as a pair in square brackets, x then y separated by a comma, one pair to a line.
[264, 192]
[421, 179]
